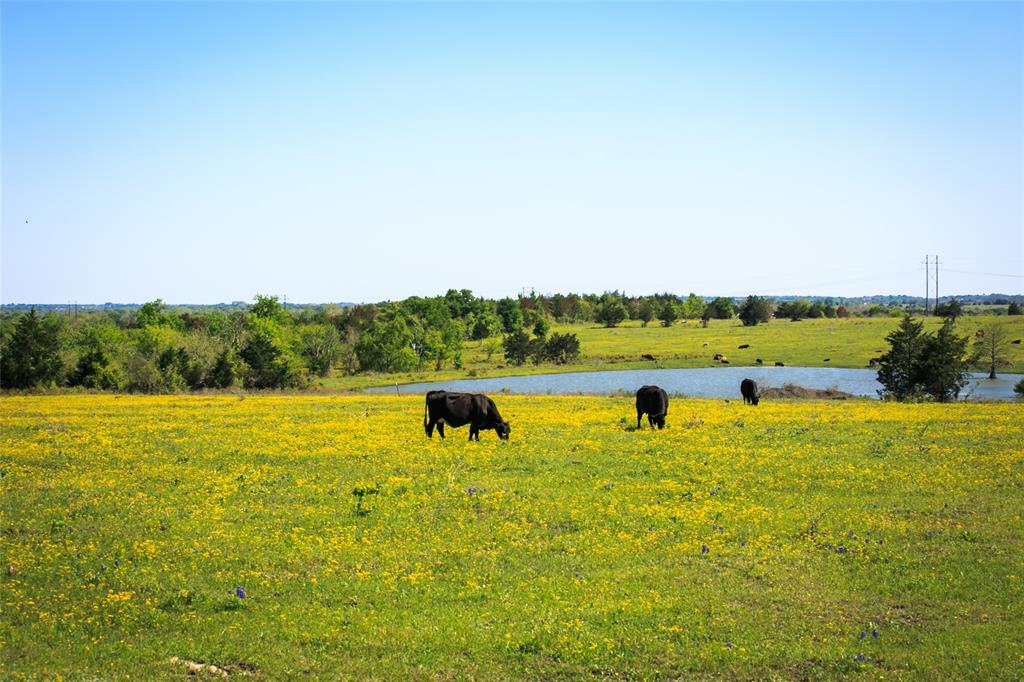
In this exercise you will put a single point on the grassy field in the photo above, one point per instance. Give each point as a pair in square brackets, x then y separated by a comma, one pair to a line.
[845, 343]
[279, 537]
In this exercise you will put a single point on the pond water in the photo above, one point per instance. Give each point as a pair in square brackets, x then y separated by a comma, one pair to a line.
[704, 382]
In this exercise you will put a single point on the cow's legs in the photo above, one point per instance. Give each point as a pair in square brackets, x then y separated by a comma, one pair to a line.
[429, 428]
[440, 429]
[639, 416]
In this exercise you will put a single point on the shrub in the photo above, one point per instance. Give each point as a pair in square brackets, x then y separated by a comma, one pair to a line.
[517, 347]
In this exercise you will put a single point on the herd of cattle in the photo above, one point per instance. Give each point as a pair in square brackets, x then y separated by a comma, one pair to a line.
[480, 412]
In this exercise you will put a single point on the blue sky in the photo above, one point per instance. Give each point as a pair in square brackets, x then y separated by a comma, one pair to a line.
[204, 152]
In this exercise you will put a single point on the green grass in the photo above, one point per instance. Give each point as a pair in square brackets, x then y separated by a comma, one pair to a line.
[845, 343]
[739, 543]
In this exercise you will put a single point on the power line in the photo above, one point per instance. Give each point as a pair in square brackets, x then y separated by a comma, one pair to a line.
[990, 274]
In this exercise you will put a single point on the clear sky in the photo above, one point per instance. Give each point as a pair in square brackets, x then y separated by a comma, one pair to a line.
[206, 152]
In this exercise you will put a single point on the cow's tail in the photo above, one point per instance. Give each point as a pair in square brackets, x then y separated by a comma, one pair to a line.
[424, 415]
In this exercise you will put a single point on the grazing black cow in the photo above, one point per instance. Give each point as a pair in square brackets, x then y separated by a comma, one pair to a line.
[746, 345]
[1015, 341]
[653, 401]
[648, 356]
[760, 361]
[458, 409]
[748, 388]
[779, 364]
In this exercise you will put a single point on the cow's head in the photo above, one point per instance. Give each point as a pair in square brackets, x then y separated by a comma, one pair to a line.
[503, 429]
[754, 399]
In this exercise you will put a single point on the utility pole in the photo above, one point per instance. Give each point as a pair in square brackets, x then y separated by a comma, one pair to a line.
[936, 281]
[926, 285]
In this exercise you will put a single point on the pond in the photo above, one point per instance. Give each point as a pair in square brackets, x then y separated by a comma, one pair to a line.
[705, 382]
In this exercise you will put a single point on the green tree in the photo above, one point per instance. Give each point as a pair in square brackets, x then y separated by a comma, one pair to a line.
[899, 370]
[668, 313]
[320, 345]
[98, 345]
[386, 346]
[269, 308]
[270, 360]
[944, 363]
[155, 314]
[754, 310]
[225, 371]
[693, 307]
[645, 311]
[541, 328]
[485, 324]
[919, 364]
[31, 356]
[510, 313]
[721, 309]
[1013, 309]
[443, 343]
[611, 312]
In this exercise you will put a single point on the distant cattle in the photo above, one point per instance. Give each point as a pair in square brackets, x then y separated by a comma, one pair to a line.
[724, 361]
[874, 362]
[779, 364]
[648, 356]
[827, 360]
[459, 409]
[746, 345]
[1015, 341]
[759, 361]
[980, 333]
[652, 401]
[718, 356]
[705, 344]
[748, 389]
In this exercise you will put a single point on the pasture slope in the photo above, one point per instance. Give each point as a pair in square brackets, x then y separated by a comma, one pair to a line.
[848, 342]
[304, 536]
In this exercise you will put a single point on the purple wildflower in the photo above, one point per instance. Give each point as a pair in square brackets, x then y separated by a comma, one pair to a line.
[704, 549]
[240, 592]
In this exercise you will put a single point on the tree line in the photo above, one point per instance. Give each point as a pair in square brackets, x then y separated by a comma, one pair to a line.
[154, 348]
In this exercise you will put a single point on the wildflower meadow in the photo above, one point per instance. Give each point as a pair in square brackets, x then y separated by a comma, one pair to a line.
[292, 536]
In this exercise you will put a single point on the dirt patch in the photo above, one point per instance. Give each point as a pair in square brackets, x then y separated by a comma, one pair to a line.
[794, 391]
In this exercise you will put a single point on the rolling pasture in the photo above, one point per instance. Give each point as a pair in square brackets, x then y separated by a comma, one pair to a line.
[850, 342]
[287, 536]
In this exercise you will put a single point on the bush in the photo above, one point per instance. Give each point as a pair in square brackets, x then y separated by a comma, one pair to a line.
[1018, 388]
[562, 348]
[517, 347]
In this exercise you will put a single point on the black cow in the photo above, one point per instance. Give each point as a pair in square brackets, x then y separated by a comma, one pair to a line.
[748, 387]
[458, 409]
[653, 401]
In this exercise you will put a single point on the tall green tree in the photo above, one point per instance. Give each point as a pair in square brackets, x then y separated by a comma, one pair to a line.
[31, 356]
[899, 370]
[755, 310]
[386, 346]
[945, 363]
